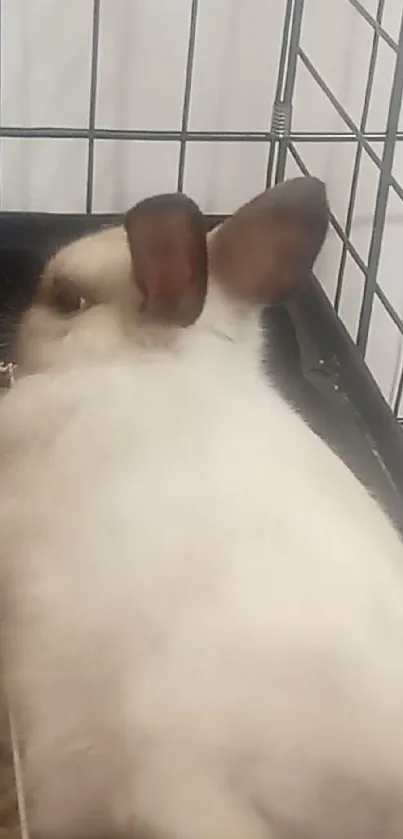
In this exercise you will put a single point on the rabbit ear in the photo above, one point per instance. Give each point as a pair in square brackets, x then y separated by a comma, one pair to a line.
[262, 251]
[167, 240]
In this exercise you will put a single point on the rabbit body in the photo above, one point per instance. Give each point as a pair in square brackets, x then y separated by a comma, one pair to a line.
[203, 608]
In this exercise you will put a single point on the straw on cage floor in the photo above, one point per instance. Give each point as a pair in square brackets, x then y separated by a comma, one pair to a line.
[9, 816]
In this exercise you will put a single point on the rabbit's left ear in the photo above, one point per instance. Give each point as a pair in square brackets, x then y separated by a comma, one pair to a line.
[167, 241]
[262, 252]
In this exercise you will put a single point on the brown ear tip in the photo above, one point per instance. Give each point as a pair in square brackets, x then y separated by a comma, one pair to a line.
[309, 190]
[308, 197]
[319, 192]
[318, 188]
[169, 201]
[315, 182]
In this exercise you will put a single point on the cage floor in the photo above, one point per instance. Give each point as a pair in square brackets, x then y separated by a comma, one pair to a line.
[312, 379]
[307, 354]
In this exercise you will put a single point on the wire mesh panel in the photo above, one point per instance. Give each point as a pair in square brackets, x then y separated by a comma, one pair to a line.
[281, 143]
[386, 182]
[357, 276]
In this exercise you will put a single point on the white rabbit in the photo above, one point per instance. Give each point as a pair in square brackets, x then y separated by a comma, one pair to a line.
[202, 608]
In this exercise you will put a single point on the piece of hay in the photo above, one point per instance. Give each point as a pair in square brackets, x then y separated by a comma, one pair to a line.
[9, 818]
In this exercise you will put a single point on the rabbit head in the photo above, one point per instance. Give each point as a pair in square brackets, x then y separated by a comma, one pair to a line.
[143, 283]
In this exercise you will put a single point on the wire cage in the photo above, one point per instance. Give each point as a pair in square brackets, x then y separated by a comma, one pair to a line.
[336, 390]
[283, 145]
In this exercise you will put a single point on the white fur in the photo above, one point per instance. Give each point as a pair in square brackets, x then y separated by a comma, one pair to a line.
[203, 609]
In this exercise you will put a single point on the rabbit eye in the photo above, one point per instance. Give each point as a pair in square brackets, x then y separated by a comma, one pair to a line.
[67, 301]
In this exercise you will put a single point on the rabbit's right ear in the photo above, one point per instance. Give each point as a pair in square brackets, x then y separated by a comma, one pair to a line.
[261, 253]
[167, 241]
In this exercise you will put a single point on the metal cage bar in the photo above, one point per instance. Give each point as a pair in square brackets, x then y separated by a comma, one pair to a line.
[382, 197]
[375, 23]
[399, 395]
[289, 85]
[174, 135]
[93, 102]
[394, 316]
[1, 102]
[358, 154]
[188, 92]
[279, 87]
[386, 180]
[282, 110]
[359, 136]
[333, 220]
[308, 64]
[280, 139]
